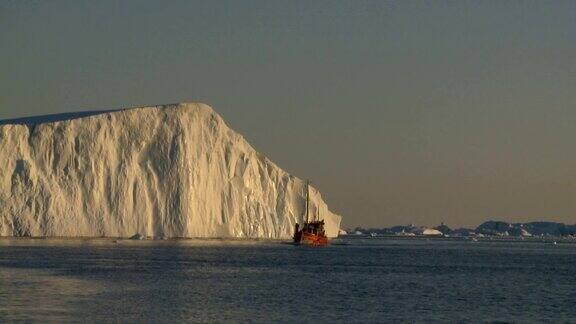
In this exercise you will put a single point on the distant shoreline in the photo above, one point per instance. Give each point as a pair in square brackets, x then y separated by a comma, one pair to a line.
[511, 239]
[489, 228]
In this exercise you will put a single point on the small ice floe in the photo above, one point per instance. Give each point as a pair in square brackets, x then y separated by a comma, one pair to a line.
[137, 236]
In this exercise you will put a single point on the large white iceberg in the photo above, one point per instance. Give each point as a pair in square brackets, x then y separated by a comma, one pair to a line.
[163, 171]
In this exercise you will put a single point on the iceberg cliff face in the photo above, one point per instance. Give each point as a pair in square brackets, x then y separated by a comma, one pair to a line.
[164, 171]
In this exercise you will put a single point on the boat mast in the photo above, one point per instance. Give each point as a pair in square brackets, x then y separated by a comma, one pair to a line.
[307, 198]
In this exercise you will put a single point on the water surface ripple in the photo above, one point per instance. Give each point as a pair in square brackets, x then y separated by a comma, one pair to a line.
[352, 280]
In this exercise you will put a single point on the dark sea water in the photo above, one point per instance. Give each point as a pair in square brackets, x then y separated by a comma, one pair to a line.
[353, 280]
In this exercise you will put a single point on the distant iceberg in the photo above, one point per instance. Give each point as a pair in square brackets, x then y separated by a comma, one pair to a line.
[164, 171]
[430, 231]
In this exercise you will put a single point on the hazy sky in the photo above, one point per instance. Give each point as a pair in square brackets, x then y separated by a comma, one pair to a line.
[400, 112]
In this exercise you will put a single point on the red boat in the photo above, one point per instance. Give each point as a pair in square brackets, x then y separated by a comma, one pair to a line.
[312, 232]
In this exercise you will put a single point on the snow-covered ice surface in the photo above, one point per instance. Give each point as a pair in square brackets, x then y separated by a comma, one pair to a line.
[164, 171]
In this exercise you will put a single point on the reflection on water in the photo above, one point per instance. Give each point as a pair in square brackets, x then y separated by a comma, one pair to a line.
[36, 294]
[351, 280]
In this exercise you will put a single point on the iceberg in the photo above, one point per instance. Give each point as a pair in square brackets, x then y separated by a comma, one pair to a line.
[161, 171]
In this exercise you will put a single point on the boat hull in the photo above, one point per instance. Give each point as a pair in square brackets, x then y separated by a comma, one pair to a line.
[310, 239]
